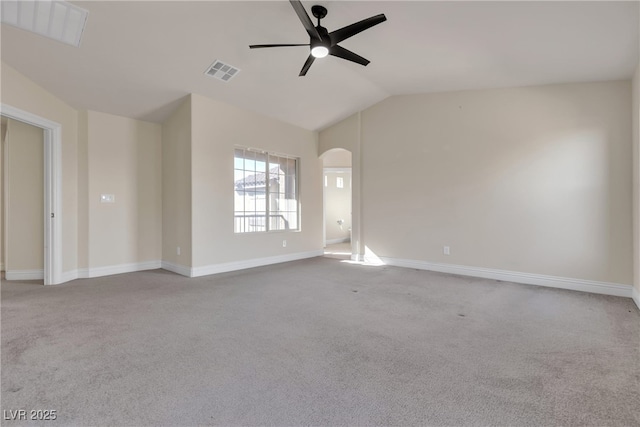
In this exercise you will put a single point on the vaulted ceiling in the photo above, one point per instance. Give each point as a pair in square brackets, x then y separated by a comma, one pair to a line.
[140, 58]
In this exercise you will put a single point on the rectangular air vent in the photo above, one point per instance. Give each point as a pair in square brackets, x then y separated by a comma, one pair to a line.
[222, 71]
[57, 20]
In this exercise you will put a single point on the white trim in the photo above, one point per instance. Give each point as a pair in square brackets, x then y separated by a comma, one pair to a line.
[88, 273]
[24, 275]
[176, 268]
[605, 288]
[68, 276]
[251, 263]
[635, 294]
[358, 247]
[324, 210]
[52, 189]
[122, 268]
[335, 241]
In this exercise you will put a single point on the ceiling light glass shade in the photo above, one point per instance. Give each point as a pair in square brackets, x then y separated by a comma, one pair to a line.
[319, 51]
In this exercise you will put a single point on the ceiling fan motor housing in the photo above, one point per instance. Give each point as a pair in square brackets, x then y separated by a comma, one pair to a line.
[325, 40]
[319, 11]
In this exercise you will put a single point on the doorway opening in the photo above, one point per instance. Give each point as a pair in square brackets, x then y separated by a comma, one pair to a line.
[22, 229]
[52, 208]
[337, 196]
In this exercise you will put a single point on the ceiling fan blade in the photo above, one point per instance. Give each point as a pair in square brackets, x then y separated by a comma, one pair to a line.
[260, 46]
[304, 18]
[343, 53]
[307, 65]
[351, 30]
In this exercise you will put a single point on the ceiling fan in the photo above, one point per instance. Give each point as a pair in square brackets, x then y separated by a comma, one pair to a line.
[322, 42]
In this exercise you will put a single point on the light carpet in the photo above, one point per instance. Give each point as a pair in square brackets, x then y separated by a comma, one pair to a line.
[319, 342]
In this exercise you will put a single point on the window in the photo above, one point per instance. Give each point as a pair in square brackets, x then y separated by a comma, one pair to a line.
[339, 182]
[265, 191]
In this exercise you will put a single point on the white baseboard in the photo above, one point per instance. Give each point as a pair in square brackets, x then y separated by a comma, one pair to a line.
[336, 241]
[122, 268]
[68, 276]
[357, 257]
[605, 288]
[87, 273]
[635, 294]
[177, 268]
[251, 263]
[24, 275]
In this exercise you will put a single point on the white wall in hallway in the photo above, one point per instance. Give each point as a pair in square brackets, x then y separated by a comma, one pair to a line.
[337, 204]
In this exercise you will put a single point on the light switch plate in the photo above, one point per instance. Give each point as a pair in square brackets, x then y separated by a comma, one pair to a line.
[107, 198]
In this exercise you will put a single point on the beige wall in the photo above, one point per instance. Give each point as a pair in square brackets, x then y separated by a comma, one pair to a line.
[20, 92]
[344, 134]
[336, 158]
[83, 189]
[636, 178]
[216, 129]
[25, 197]
[101, 153]
[531, 179]
[176, 186]
[3, 132]
[124, 159]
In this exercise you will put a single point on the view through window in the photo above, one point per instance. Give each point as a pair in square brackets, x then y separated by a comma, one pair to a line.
[265, 191]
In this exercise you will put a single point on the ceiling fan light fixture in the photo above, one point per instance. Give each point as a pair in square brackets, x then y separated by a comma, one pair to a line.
[319, 51]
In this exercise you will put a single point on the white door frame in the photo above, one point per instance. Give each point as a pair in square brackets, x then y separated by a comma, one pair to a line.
[52, 214]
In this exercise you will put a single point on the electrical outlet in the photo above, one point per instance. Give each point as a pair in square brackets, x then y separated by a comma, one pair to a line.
[284, 243]
[446, 250]
[178, 250]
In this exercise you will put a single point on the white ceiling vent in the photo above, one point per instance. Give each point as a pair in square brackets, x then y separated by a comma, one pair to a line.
[57, 20]
[222, 71]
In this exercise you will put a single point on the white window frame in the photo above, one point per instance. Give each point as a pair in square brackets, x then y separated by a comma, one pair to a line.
[267, 192]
